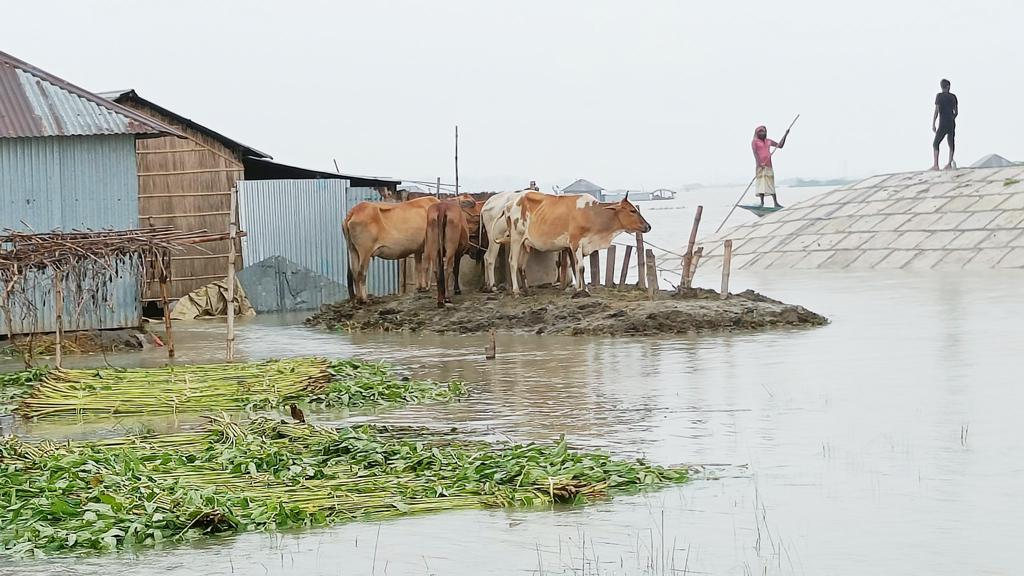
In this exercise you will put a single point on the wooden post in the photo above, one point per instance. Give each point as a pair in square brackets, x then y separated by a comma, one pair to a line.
[641, 263]
[58, 308]
[652, 274]
[693, 265]
[492, 347]
[232, 234]
[165, 277]
[688, 257]
[437, 191]
[609, 268]
[456, 159]
[625, 266]
[726, 265]
[595, 268]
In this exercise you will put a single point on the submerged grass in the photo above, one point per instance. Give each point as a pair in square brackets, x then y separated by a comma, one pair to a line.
[266, 475]
[222, 387]
[16, 386]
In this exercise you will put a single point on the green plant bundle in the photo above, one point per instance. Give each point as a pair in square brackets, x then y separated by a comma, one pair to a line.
[266, 474]
[225, 387]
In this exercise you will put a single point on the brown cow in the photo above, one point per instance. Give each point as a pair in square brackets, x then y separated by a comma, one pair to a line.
[386, 230]
[447, 240]
[551, 223]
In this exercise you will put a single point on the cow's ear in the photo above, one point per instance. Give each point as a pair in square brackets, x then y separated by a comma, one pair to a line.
[467, 204]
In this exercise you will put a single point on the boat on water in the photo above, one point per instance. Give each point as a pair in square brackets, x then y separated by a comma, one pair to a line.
[761, 211]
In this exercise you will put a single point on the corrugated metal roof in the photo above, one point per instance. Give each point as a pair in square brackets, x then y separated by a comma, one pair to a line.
[130, 95]
[582, 186]
[36, 103]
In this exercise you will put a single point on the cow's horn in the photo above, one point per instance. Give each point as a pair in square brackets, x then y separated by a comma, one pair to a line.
[626, 198]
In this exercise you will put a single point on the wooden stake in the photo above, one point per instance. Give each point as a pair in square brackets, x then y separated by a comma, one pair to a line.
[625, 266]
[492, 347]
[693, 266]
[233, 232]
[437, 191]
[58, 307]
[165, 277]
[726, 265]
[609, 268]
[456, 159]
[641, 263]
[688, 257]
[595, 268]
[651, 268]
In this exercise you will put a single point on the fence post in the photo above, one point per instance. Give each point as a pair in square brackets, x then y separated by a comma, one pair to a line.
[688, 257]
[641, 263]
[693, 265]
[165, 280]
[595, 268]
[58, 309]
[232, 234]
[609, 268]
[652, 274]
[625, 266]
[726, 265]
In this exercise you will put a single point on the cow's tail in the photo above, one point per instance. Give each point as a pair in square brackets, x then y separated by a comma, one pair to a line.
[482, 239]
[351, 252]
[442, 286]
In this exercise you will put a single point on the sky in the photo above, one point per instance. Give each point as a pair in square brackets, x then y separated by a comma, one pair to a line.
[642, 94]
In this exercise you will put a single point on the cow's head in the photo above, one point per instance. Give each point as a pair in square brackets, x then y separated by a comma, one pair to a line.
[628, 216]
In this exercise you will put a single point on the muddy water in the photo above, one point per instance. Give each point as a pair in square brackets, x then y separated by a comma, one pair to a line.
[889, 442]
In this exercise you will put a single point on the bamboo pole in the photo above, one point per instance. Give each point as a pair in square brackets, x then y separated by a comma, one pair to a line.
[625, 266]
[641, 263]
[688, 257]
[595, 268]
[165, 274]
[609, 268]
[58, 310]
[456, 159]
[652, 274]
[726, 265]
[693, 267]
[437, 191]
[233, 231]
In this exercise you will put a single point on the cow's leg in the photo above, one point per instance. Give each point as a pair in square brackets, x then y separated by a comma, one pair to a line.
[490, 259]
[421, 271]
[523, 260]
[581, 287]
[514, 251]
[361, 267]
[455, 275]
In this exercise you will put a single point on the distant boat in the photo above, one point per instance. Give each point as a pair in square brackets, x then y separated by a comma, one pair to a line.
[637, 195]
[761, 211]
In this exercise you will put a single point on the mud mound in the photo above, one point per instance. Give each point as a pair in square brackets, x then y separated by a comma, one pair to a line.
[552, 311]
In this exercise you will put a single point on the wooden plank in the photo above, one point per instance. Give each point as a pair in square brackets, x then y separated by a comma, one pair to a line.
[187, 215]
[625, 265]
[197, 171]
[172, 150]
[609, 270]
[595, 268]
[726, 265]
[184, 278]
[183, 194]
[199, 257]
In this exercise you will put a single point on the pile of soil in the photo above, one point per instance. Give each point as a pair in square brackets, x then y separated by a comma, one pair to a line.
[553, 311]
[82, 342]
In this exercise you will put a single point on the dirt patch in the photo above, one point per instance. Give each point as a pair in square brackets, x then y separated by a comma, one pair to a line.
[552, 311]
[82, 342]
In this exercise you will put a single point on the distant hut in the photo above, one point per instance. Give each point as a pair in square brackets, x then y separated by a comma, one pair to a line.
[67, 161]
[582, 186]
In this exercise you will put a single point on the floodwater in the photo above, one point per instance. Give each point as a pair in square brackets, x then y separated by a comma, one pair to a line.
[888, 442]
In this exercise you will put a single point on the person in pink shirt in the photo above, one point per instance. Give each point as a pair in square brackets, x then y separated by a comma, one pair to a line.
[765, 175]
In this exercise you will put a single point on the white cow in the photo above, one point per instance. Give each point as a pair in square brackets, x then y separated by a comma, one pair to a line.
[494, 220]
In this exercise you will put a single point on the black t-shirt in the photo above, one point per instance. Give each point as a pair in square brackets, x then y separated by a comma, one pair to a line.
[946, 101]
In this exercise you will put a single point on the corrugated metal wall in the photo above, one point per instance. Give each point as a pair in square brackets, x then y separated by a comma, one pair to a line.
[301, 221]
[72, 182]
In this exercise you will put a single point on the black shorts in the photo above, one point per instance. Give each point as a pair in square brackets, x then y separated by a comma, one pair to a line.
[945, 131]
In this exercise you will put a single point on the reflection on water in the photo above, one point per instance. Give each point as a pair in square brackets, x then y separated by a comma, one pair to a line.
[887, 442]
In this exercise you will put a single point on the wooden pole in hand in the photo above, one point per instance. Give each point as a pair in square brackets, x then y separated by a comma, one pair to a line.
[726, 265]
[58, 307]
[688, 257]
[232, 233]
[609, 268]
[625, 266]
[641, 262]
[740, 199]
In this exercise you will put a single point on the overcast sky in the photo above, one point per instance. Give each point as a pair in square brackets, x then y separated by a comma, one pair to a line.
[627, 94]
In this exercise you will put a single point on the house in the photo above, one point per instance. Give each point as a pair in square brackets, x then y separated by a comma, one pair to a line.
[67, 161]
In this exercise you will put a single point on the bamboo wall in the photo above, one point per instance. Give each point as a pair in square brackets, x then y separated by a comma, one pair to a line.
[186, 183]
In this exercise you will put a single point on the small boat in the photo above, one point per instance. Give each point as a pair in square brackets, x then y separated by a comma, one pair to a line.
[761, 211]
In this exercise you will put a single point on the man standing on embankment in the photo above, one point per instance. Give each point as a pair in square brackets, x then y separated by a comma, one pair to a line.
[765, 175]
[946, 110]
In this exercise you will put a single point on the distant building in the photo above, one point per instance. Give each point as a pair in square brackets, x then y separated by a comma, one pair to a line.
[67, 161]
[582, 186]
[993, 161]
